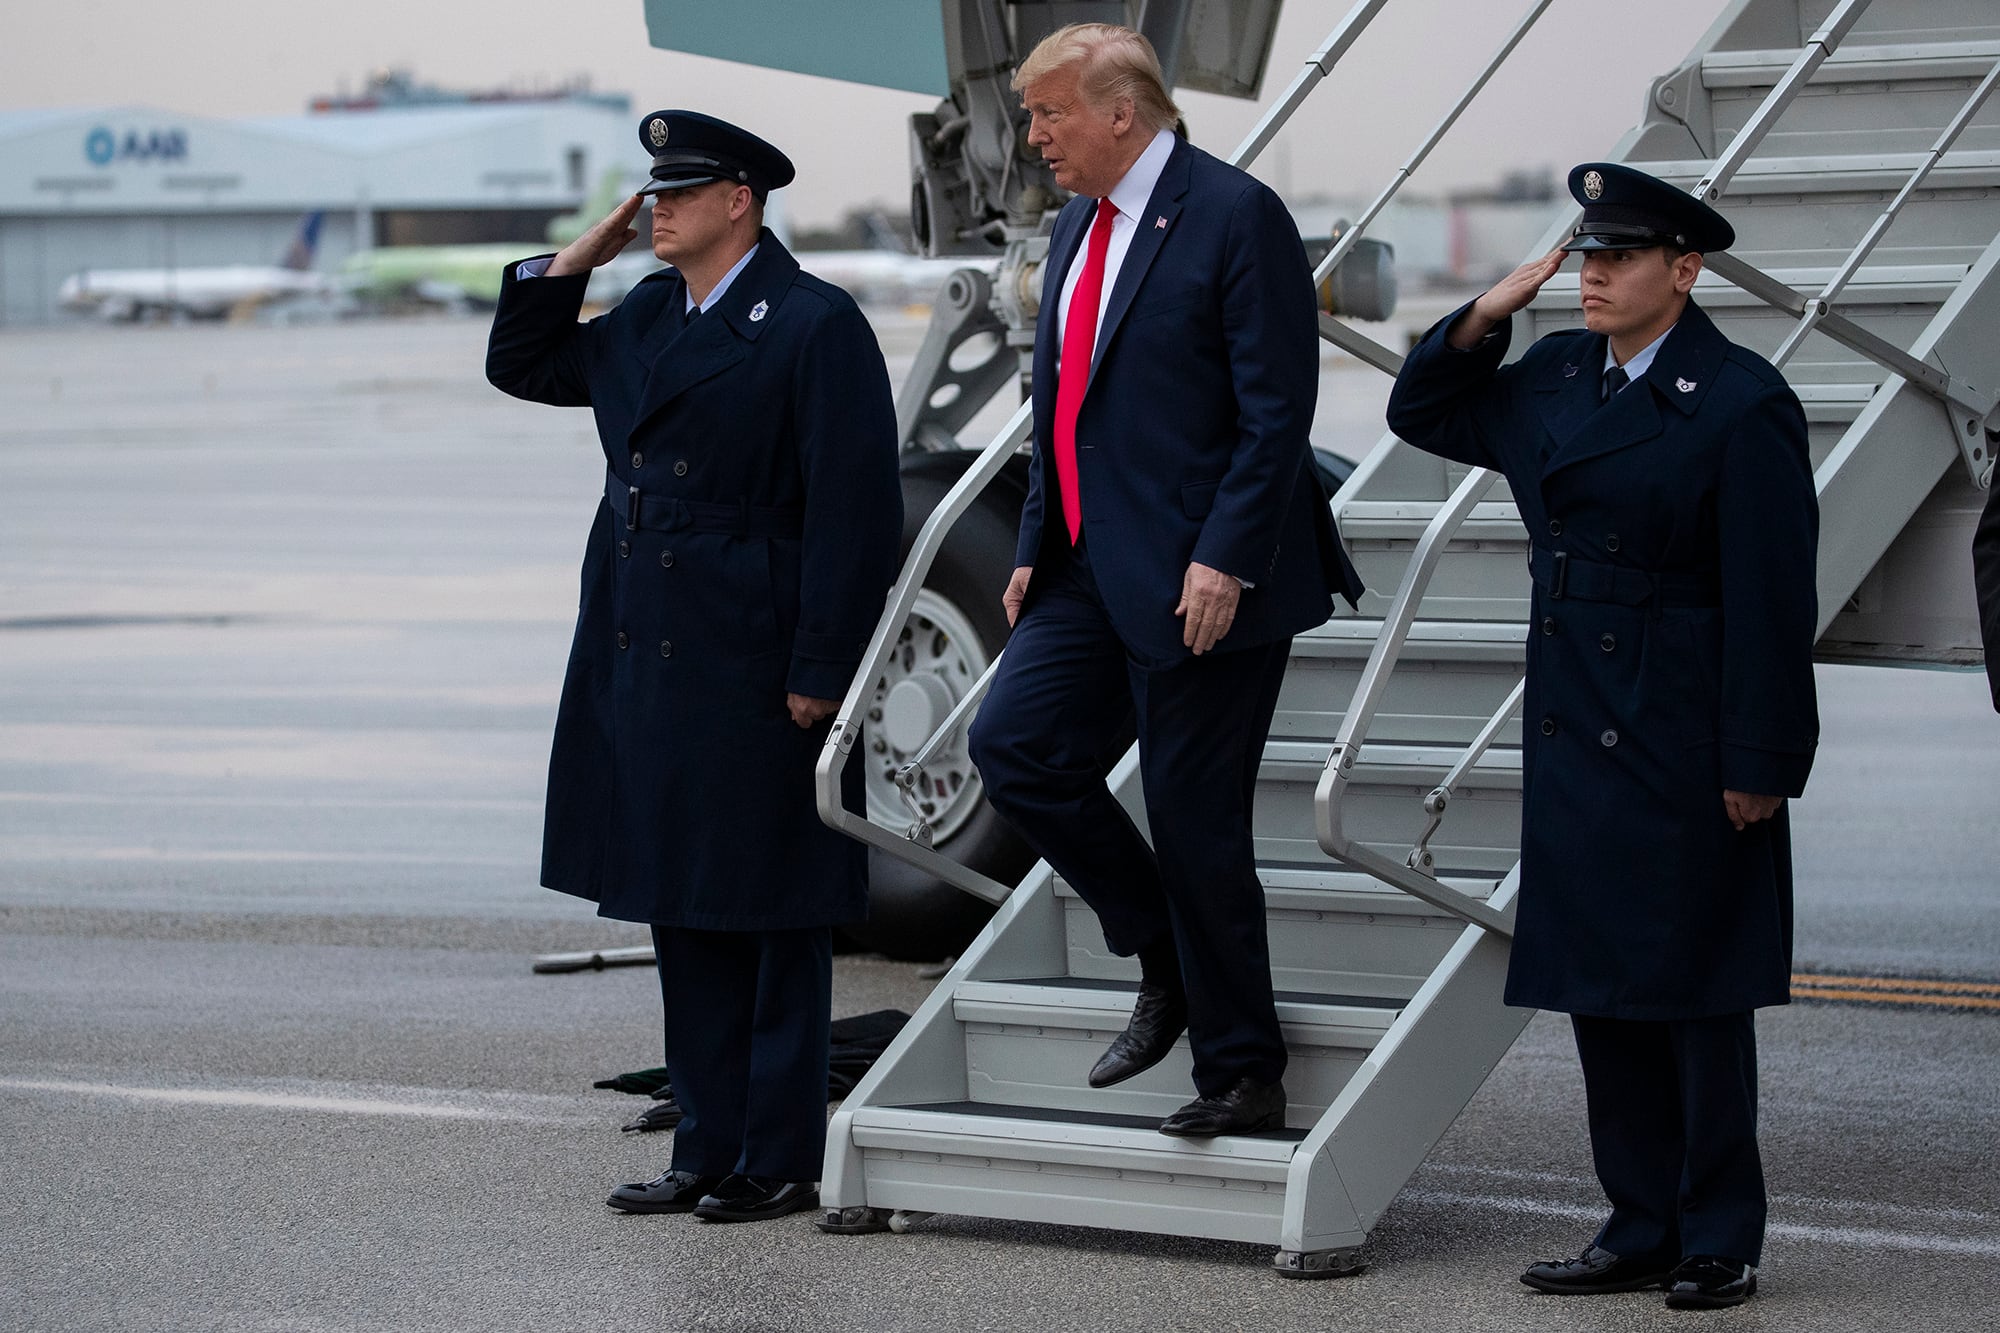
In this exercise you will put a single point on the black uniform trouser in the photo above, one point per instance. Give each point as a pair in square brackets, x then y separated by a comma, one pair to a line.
[1064, 690]
[747, 1021]
[1673, 1130]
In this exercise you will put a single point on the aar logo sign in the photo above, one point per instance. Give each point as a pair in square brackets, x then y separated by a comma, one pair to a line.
[103, 147]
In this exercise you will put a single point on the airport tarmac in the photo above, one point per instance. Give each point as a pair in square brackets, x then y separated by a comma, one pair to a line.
[283, 614]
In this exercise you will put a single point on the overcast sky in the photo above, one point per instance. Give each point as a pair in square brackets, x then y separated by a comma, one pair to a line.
[1574, 86]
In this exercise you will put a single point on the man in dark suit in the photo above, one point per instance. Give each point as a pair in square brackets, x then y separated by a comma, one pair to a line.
[1663, 477]
[735, 570]
[1174, 539]
[1986, 577]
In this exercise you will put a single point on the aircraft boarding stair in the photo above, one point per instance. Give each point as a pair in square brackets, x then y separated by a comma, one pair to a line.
[1388, 800]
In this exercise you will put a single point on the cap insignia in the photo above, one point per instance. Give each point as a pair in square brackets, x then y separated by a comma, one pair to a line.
[657, 132]
[763, 308]
[1685, 386]
[1593, 185]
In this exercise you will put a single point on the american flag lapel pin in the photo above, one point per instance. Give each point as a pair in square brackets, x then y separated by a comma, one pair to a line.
[1160, 223]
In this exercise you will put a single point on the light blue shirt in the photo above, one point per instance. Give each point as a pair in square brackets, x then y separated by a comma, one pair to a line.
[1642, 360]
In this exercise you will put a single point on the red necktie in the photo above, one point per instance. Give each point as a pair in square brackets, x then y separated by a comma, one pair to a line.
[1079, 344]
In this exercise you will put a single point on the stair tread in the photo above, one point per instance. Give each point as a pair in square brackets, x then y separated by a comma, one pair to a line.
[1851, 62]
[1303, 887]
[1282, 1139]
[1796, 173]
[1113, 986]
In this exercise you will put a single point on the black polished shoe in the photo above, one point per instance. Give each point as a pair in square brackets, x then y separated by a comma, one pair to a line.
[755, 1199]
[1597, 1271]
[1704, 1282]
[1245, 1107]
[1158, 1020]
[668, 1192]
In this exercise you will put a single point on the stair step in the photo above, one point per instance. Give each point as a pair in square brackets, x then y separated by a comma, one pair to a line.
[1032, 1042]
[1880, 173]
[1855, 63]
[1448, 681]
[1356, 937]
[1096, 1169]
[1393, 765]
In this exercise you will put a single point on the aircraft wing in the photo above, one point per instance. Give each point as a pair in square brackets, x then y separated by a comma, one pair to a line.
[900, 44]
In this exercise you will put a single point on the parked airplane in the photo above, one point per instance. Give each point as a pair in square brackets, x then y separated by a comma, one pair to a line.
[469, 274]
[201, 293]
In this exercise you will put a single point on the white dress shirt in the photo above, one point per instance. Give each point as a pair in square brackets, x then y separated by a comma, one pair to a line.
[1129, 196]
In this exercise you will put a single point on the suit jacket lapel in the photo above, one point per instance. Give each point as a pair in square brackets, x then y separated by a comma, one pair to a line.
[1153, 225]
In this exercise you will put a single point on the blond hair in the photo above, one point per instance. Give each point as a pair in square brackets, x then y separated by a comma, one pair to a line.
[1114, 64]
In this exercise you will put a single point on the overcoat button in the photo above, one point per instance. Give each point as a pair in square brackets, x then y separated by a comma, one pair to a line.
[624, 550]
[623, 641]
[666, 647]
[1608, 642]
[1548, 624]
[1611, 542]
[638, 459]
[1608, 739]
[666, 559]
[1548, 726]
[1555, 527]
[680, 467]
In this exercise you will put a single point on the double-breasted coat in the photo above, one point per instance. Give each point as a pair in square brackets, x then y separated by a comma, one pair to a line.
[1673, 532]
[742, 551]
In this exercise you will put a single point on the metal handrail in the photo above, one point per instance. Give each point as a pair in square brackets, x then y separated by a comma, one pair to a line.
[1821, 306]
[1420, 858]
[1368, 693]
[1351, 235]
[1318, 65]
[888, 630]
[912, 770]
[1811, 56]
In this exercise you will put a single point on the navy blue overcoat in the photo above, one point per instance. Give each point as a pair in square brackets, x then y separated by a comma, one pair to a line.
[742, 551]
[1674, 532]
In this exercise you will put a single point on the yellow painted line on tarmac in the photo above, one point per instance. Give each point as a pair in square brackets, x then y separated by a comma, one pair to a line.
[1913, 991]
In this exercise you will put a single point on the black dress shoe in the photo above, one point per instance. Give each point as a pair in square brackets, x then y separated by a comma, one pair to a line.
[668, 1192]
[1704, 1282]
[754, 1199]
[1158, 1020]
[1245, 1107]
[1597, 1271]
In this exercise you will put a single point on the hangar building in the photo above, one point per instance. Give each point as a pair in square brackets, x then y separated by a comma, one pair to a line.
[136, 187]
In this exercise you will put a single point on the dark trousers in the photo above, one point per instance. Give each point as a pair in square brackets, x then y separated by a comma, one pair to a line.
[1673, 1130]
[1064, 691]
[747, 1018]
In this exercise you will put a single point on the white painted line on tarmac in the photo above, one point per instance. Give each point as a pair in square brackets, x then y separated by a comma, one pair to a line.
[1782, 1202]
[292, 1101]
[1928, 1242]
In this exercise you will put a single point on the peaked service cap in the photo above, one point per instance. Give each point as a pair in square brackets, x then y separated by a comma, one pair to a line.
[689, 148]
[1625, 209]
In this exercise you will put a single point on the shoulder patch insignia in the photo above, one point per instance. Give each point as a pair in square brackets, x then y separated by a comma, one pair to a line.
[763, 308]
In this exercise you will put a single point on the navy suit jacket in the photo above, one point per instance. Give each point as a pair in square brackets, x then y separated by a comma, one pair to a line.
[1192, 441]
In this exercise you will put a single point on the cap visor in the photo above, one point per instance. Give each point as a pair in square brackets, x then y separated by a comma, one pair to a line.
[680, 181]
[1586, 244]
